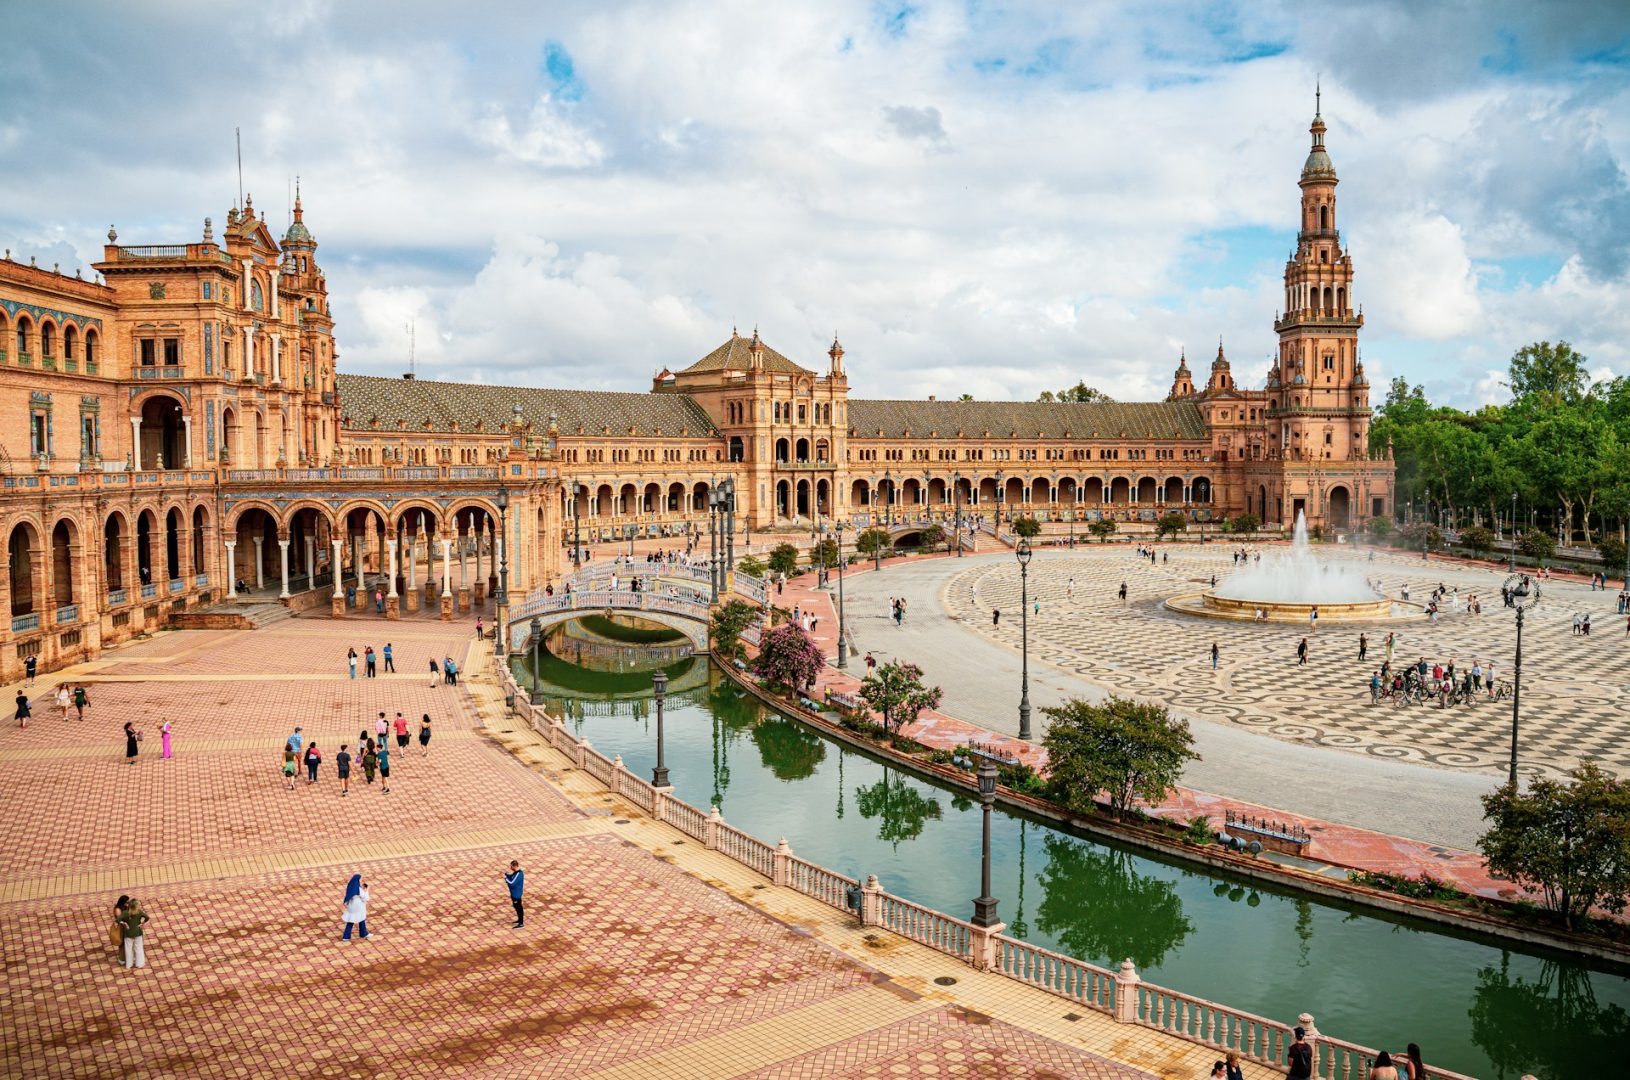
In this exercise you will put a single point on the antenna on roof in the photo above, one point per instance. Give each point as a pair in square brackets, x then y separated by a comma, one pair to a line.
[237, 135]
[413, 369]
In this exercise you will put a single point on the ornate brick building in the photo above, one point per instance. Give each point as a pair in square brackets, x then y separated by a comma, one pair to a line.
[181, 429]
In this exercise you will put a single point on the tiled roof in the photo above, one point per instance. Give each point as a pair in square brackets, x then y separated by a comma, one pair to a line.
[1027, 419]
[736, 355]
[364, 398]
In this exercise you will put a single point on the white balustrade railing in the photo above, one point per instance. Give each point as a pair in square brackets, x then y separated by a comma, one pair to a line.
[1217, 1026]
[748, 850]
[925, 925]
[597, 766]
[686, 818]
[1064, 976]
[827, 886]
[637, 791]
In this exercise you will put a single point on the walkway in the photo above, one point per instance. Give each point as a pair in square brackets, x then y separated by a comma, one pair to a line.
[643, 955]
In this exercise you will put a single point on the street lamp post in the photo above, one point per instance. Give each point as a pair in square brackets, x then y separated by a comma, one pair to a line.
[956, 503]
[502, 627]
[1513, 531]
[1023, 554]
[843, 647]
[537, 644]
[730, 527]
[998, 500]
[713, 544]
[984, 905]
[1627, 545]
[577, 528]
[659, 689]
[1524, 595]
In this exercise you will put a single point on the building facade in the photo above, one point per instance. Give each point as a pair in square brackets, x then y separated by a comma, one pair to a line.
[179, 431]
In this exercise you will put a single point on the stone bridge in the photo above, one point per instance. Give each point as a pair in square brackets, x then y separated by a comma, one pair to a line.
[686, 614]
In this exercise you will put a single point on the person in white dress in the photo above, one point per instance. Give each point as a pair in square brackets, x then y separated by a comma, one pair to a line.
[355, 913]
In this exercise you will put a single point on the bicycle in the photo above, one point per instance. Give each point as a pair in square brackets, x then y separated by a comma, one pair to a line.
[1502, 690]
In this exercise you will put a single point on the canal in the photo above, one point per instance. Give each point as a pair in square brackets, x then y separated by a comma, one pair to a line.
[1474, 1005]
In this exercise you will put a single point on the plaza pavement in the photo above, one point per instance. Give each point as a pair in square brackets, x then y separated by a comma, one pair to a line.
[643, 954]
[1304, 740]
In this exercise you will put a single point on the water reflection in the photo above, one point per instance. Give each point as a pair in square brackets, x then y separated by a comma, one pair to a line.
[1551, 1025]
[1096, 904]
[788, 749]
[901, 809]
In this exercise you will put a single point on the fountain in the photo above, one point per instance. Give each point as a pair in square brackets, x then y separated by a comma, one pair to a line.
[1288, 586]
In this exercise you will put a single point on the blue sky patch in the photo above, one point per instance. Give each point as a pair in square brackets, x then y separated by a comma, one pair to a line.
[894, 18]
[564, 84]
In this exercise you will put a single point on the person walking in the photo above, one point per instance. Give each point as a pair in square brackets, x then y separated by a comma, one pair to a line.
[314, 758]
[1123, 592]
[424, 734]
[401, 726]
[23, 711]
[82, 700]
[995, 617]
[116, 931]
[355, 911]
[516, 880]
[479, 629]
[370, 662]
[390, 660]
[1214, 652]
[450, 670]
[385, 768]
[64, 700]
[1301, 653]
[31, 667]
[297, 741]
[132, 921]
[381, 729]
[379, 601]
[351, 660]
[342, 767]
[1363, 647]
[164, 738]
[132, 738]
[1391, 640]
[435, 672]
[289, 758]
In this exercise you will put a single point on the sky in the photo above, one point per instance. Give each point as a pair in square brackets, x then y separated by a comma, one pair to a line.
[976, 197]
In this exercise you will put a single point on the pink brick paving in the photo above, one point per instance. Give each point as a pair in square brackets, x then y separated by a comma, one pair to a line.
[623, 956]
[1339, 845]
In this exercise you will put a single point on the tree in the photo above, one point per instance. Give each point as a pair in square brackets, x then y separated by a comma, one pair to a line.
[1548, 375]
[1027, 527]
[1103, 529]
[1611, 548]
[869, 541]
[896, 691]
[1080, 392]
[725, 629]
[931, 537]
[1242, 523]
[1098, 906]
[1170, 525]
[1537, 544]
[1419, 533]
[824, 553]
[784, 559]
[965, 397]
[750, 565]
[788, 658]
[1479, 539]
[1571, 842]
[1380, 527]
[1122, 747]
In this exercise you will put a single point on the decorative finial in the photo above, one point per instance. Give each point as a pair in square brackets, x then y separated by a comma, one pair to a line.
[1318, 95]
[209, 231]
[113, 235]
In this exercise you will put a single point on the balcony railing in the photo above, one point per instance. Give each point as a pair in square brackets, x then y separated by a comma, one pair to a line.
[149, 590]
[473, 472]
[22, 623]
[118, 596]
[154, 251]
[67, 614]
[200, 581]
[161, 371]
[177, 584]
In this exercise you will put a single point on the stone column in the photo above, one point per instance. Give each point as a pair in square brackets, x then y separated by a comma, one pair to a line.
[248, 350]
[231, 569]
[356, 568]
[277, 359]
[275, 275]
[446, 580]
[248, 278]
[135, 442]
[283, 557]
[411, 564]
[311, 562]
[336, 603]
[260, 573]
[393, 602]
[186, 436]
[463, 570]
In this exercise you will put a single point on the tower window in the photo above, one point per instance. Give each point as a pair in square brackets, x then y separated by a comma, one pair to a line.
[1324, 217]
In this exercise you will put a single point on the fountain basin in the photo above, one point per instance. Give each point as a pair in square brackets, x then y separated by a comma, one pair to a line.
[1380, 610]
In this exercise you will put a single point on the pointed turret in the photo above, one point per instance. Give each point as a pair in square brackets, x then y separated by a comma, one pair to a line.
[836, 353]
[1183, 380]
[1222, 377]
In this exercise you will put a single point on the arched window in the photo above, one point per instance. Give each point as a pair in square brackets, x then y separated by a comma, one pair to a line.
[48, 339]
[256, 301]
[70, 342]
[90, 347]
[1324, 217]
[22, 335]
[1341, 301]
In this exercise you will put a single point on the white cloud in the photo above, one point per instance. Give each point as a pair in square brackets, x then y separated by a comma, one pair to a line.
[1418, 275]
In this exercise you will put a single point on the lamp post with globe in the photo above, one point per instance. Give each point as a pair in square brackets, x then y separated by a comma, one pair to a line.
[1524, 593]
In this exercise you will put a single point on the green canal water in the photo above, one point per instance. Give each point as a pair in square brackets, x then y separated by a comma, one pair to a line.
[1475, 1005]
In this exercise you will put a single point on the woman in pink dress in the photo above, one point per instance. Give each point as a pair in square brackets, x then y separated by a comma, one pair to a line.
[164, 732]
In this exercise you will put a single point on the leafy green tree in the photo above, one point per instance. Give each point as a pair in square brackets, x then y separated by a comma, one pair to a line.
[788, 658]
[1380, 527]
[725, 629]
[784, 559]
[1122, 747]
[1570, 842]
[931, 537]
[1103, 529]
[1243, 523]
[1537, 544]
[751, 565]
[1548, 375]
[896, 691]
[1478, 539]
[1171, 525]
[1080, 392]
[824, 554]
[1611, 548]
[1027, 527]
[1418, 533]
[869, 541]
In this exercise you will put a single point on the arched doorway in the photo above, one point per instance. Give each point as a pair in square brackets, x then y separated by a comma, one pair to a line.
[782, 497]
[803, 498]
[256, 556]
[114, 533]
[229, 435]
[172, 545]
[1120, 490]
[1174, 490]
[162, 444]
[146, 526]
[22, 551]
[1340, 507]
[1147, 489]
[198, 522]
[63, 563]
[1201, 489]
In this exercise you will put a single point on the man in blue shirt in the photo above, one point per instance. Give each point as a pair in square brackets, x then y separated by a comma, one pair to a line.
[390, 660]
[298, 741]
[516, 880]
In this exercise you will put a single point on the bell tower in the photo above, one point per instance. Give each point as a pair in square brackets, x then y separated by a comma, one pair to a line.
[1321, 398]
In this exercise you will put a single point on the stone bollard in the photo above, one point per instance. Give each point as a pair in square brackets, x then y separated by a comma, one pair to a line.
[1311, 1034]
[713, 822]
[1126, 992]
[871, 902]
[617, 774]
[778, 866]
[583, 748]
[982, 944]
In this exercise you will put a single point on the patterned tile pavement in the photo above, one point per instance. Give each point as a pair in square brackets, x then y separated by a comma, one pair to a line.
[681, 964]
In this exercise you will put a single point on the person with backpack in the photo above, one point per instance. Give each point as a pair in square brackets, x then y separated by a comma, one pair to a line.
[314, 758]
[1299, 1057]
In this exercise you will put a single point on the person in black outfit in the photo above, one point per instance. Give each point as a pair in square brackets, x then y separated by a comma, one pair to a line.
[1300, 1058]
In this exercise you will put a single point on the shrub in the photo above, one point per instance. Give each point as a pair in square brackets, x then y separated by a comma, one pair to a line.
[824, 554]
[1027, 527]
[1537, 544]
[1171, 525]
[1242, 523]
[1611, 548]
[868, 542]
[784, 559]
[1021, 778]
[788, 658]
[1122, 747]
[1418, 534]
[1380, 527]
[1198, 832]
[1103, 529]
[751, 565]
[1478, 540]
[729, 620]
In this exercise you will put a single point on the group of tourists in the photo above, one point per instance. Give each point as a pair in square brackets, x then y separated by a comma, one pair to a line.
[78, 700]
[1421, 680]
[372, 753]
